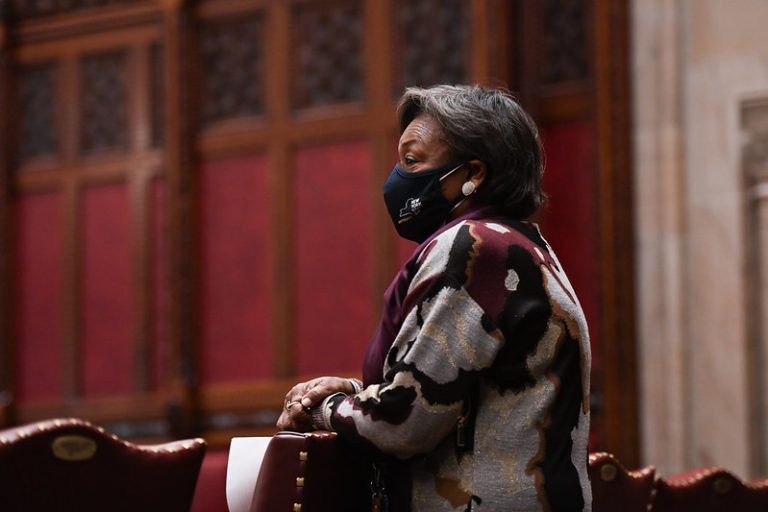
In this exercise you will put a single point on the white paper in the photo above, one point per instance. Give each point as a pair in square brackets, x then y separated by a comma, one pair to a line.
[245, 457]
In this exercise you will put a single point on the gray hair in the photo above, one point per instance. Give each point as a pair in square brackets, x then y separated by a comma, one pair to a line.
[488, 125]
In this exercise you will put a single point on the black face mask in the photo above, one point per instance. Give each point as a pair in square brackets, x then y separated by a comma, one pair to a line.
[415, 203]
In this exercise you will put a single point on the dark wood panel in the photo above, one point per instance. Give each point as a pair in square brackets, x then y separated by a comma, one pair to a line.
[100, 410]
[83, 41]
[620, 421]
[231, 54]
[103, 100]
[140, 182]
[183, 369]
[281, 199]
[327, 45]
[248, 136]
[71, 332]
[75, 47]
[381, 126]
[95, 20]
[36, 104]
[434, 41]
[227, 8]
[141, 137]
[565, 104]
[553, 64]
[33, 9]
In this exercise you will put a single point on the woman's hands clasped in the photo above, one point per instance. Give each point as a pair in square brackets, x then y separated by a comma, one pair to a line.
[305, 395]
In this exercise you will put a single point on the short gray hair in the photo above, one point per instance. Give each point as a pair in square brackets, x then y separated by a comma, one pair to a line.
[489, 125]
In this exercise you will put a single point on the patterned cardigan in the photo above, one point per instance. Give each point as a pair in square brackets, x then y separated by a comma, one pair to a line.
[486, 385]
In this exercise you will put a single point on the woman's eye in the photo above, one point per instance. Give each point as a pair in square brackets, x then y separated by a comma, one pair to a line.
[409, 160]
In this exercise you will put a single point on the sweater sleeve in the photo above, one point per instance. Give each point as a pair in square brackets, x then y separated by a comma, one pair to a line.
[445, 340]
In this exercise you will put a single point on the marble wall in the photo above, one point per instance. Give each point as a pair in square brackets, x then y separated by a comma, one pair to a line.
[700, 72]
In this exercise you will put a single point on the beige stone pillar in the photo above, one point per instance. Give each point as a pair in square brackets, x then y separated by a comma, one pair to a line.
[694, 63]
[659, 167]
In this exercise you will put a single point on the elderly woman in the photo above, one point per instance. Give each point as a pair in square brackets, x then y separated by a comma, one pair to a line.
[477, 377]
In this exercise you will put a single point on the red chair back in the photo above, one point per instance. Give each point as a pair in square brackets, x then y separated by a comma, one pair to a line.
[615, 489]
[71, 465]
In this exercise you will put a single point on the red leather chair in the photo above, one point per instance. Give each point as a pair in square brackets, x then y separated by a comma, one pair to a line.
[710, 490]
[702, 490]
[71, 465]
[614, 489]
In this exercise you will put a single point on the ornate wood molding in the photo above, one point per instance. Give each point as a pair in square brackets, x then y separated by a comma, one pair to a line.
[121, 14]
[613, 128]
[182, 404]
[33, 9]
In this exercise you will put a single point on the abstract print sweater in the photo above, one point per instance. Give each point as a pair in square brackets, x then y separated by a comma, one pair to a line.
[486, 385]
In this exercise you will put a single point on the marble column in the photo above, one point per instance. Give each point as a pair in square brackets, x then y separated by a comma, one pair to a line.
[695, 63]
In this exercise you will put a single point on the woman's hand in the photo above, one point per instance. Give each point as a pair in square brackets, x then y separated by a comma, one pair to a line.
[305, 395]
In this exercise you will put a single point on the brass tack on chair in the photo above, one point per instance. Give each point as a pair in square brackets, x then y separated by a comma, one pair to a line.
[303, 455]
[608, 472]
[722, 485]
[297, 507]
[299, 481]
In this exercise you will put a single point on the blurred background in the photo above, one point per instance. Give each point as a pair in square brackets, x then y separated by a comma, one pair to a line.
[191, 216]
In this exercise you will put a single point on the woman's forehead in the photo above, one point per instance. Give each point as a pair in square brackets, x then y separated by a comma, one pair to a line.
[422, 130]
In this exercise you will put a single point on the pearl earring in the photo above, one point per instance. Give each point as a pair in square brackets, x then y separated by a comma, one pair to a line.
[468, 188]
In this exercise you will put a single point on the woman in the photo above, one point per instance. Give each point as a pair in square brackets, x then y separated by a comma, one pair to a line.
[477, 377]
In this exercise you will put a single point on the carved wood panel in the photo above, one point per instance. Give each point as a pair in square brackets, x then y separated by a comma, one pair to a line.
[27, 9]
[157, 95]
[232, 60]
[565, 42]
[432, 40]
[328, 52]
[103, 100]
[37, 100]
[85, 104]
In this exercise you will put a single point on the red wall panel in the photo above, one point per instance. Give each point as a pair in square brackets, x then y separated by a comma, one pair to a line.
[159, 278]
[333, 256]
[569, 220]
[235, 270]
[107, 291]
[38, 304]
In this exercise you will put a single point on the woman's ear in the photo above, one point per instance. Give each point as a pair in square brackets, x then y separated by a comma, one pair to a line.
[476, 172]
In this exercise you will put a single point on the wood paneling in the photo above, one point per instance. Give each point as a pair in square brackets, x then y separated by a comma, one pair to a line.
[158, 316]
[183, 378]
[88, 78]
[242, 133]
[571, 66]
[327, 53]
[620, 422]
